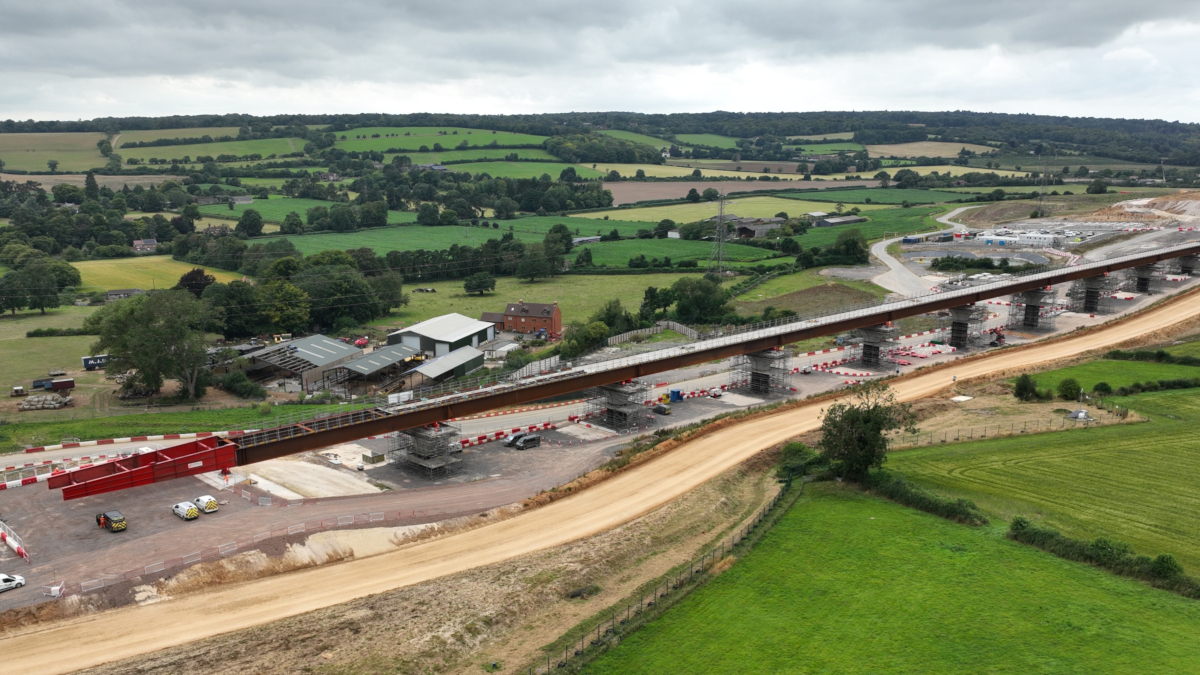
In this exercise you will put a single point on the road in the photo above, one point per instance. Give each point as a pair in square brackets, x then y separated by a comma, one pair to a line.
[899, 278]
[87, 641]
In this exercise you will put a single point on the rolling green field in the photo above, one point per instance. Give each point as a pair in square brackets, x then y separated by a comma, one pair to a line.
[585, 227]
[145, 272]
[637, 138]
[925, 149]
[30, 152]
[745, 207]
[850, 584]
[1136, 483]
[804, 280]
[419, 136]
[841, 135]
[578, 296]
[1115, 373]
[876, 195]
[405, 238]
[618, 253]
[670, 171]
[522, 169]
[27, 359]
[264, 147]
[831, 148]
[708, 139]
[277, 207]
[942, 169]
[881, 223]
[480, 153]
[155, 134]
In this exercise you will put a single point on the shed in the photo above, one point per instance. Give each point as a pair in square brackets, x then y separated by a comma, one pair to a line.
[493, 317]
[122, 293]
[242, 199]
[457, 363]
[444, 334]
[840, 220]
[308, 357]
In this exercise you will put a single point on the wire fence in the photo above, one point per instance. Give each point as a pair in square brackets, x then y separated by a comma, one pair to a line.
[973, 433]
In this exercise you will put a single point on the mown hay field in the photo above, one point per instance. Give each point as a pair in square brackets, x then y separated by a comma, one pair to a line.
[1135, 482]
[942, 169]
[146, 135]
[264, 147]
[144, 272]
[30, 152]
[497, 154]
[745, 207]
[403, 238]
[830, 148]
[618, 253]
[394, 137]
[846, 583]
[925, 149]
[1115, 373]
[841, 135]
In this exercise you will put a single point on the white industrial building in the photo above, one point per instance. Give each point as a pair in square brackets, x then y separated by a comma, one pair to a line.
[441, 335]
[1040, 239]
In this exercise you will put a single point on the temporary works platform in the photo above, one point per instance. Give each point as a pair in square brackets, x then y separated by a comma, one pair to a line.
[618, 406]
[1187, 265]
[1033, 311]
[1093, 295]
[760, 372]
[199, 456]
[875, 343]
[966, 325]
[429, 451]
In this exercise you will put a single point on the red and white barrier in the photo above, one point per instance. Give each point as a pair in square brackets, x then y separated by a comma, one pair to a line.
[7, 536]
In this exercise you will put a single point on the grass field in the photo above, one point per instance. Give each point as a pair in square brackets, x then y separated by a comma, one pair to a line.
[578, 296]
[479, 153]
[277, 207]
[1136, 483]
[522, 169]
[881, 223]
[264, 147]
[155, 134]
[708, 139]
[876, 195]
[30, 152]
[637, 138]
[405, 238]
[831, 148]
[146, 273]
[745, 207]
[807, 292]
[942, 169]
[586, 227]
[618, 253]
[924, 149]
[669, 171]
[1115, 373]
[851, 584]
[841, 135]
[419, 136]
[27, 359]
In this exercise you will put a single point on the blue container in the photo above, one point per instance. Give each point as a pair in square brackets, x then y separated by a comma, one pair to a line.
[676, 395]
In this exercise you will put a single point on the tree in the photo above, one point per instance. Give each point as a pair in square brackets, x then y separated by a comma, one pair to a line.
[1097, 187]
[91, 189]
[284, 306]
[696, 173]
[283, 268]
[884, 179]
[480, 282]
[1069, 389]
[155, 337]
[41, 288]
[534, 263]
[342, 218]
[558, 239]
[853, 433]
[852, 244]
[250, 224]
[292, 224]
[789, 246]
[1025, 388]
[427, 214]
[12, 293]
[1103, 388]
[195, 281]
[373, 214]
[53, 164]
[693, 196]
[583, 258]
[235, 308]
[339, 295]
[699, 300]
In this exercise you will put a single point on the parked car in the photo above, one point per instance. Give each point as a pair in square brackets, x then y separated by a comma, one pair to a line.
[715, 393]
[512, 439]
[528, 441]
[806, 370]
[11, 581]
[662, 409]
[207, 503]
[186, 510]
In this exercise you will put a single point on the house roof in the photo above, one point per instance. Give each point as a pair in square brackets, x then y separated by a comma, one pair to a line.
[816, 214]
[379, 359]
[445, 364]
[308, 353]
[447, 327]
[492, 317]
[523, 308]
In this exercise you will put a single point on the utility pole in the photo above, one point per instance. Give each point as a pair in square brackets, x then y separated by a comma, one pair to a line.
[716, 259]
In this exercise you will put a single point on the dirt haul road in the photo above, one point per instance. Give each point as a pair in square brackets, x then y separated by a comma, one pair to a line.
[88, 641]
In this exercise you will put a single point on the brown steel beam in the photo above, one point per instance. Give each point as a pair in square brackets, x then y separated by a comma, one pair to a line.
[381, 425]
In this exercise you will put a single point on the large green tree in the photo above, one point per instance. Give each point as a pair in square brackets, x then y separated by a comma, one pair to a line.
[285, 307]
[339, 295]
[250, 224]
[853, 432]
[699, 300]
[235, 309]
[41, 288]
[13, 295]
[480, 282]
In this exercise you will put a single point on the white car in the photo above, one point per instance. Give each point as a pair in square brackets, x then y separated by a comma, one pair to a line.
[186, 510]
[207, 503]
[715, 393]
[11, 581]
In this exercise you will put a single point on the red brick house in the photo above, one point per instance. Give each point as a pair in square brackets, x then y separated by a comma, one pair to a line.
[530, 317]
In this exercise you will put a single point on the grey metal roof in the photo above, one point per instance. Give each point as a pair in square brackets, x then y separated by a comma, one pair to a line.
[444, 364]
[379, 359]
[315, 351]
[447, 327]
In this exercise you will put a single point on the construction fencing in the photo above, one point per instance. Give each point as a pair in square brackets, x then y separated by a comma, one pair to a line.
[964, 434]
[10, 538]
[629, 335]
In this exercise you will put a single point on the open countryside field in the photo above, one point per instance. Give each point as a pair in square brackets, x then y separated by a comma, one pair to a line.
[145, 272]
[618, 253]
[745, 207]
[807, 292]
[1115, 373]
[497, 154]
[523, 169]
[912, 593]
[707, 139]
[582, 227]
[578, 296]
[147, 135]
[637, 138]
[632, 191]
[1135, 483]
[404, 238]
[277, 207]
[394, 137]
[28, 359]
[830, 148]
[943, 169]
[875, 195]
[881, 223]
[30, 152]
[668, 171]
[264, 147]
[925, 149]
[841, 135]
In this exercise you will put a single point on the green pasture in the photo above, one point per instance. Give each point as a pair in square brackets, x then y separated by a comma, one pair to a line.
[876, 195]
[580, 225]
[1115, 373]
[851, 584]
[708, 139]
[618, 253]
[264, 147]
[30, 152]
[402, 238]
[801, 281]
[277, 207]
[841, 135]
[637, 138]
[745, 207]
[148, 135]
[497, 154]
[523, 169]
[1136, 482]
[882, 222]
[393, 137]
[831, 148]
[144, 272]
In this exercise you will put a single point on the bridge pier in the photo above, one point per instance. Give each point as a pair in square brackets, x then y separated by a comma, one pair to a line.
[1092, 295]
[966, 321]
[1147, 279]
[761, 371]
[1031, 310]
[1188, 264]
[875, 344]
[620, 405]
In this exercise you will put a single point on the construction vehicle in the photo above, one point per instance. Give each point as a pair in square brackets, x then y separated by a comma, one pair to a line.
[282, 337]
[362, 342]
[186, 510]
[207, 503]
[112, 521]
[18, 391]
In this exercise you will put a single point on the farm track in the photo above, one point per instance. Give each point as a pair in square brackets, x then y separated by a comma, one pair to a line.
[86, 641]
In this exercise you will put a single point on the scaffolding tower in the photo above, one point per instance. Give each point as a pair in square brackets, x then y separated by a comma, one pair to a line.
[428, 451]
[967, 325]
[876, 343]
[761, 372]
[1093, 295]
[619, 406]
[1147, 279]
[1034, 311]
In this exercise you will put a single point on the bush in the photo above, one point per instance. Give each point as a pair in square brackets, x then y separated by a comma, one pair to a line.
[1103, 388]
[899, 490]
[58, 332]
[1026, 388]
[1069, 389]
[239, 385]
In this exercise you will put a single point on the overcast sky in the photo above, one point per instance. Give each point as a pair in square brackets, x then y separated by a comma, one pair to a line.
[73, 59]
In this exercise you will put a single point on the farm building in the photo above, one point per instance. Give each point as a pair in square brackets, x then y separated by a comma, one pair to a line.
[216, 230]
[122, 293]
[673, 233]
[243, 199]
[145, 245]
[493, 317]
[585, 240]
[757, 231]
[441, 335]
[432, 167]
[816, 214]
[457, 363]
[208, 200]
[531, 317]
[840, 220]
[499, 349]
[381, 367]
[307, 358]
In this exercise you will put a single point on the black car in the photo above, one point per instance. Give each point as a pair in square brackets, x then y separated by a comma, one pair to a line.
[513, 439]
[528, 441]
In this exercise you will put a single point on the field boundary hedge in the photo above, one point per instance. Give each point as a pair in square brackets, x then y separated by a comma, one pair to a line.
[899, 490]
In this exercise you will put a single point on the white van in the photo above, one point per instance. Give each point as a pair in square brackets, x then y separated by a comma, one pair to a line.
[206, 503]
[186, 510]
